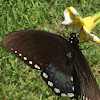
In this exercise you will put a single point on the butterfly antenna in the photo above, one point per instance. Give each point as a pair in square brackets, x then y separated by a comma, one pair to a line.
[79, 32]
[88, 47]
[60, 27]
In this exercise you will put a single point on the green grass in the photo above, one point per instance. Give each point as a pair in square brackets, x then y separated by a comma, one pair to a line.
[18, 81]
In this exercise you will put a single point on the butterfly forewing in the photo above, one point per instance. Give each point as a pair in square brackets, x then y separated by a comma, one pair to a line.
[35, 47]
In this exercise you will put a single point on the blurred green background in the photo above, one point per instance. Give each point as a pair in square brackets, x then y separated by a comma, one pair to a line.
[20, 82]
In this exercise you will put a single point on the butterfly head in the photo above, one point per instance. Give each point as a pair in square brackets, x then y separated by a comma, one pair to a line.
[73, 38]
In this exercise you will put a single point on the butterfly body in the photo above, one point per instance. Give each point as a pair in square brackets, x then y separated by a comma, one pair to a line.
[64, 68]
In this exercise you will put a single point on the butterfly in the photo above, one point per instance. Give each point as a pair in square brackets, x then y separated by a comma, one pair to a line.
[64, 67]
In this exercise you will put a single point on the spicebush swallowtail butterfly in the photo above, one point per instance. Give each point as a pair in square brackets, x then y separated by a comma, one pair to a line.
[64, 67]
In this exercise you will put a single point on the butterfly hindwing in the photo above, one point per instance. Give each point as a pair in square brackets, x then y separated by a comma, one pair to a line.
[61, 83]
[88, 85]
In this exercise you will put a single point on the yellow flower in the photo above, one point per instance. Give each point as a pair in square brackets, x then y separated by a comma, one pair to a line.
[73, 19]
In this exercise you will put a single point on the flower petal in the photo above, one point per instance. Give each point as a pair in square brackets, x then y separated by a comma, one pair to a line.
[91, 21]
[66, 22]
[86, 36]
[72, 18]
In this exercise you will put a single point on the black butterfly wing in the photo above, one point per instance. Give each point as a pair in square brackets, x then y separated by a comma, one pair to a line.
[45, 51]
[35, 47]
[88, 85]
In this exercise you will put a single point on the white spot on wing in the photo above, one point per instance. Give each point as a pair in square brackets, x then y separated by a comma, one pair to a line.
[15, 51]
[63, 94]
[73, 88]
[45, 75]
[20, 54]
[36, 66]
[72, 38]
[56, 90]
[25, 58]
[30, 62]
[86, 98]
[50, 83]
[71, 41]
[70, 94]
[11, 48]
[71, 78]
[83, 97]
